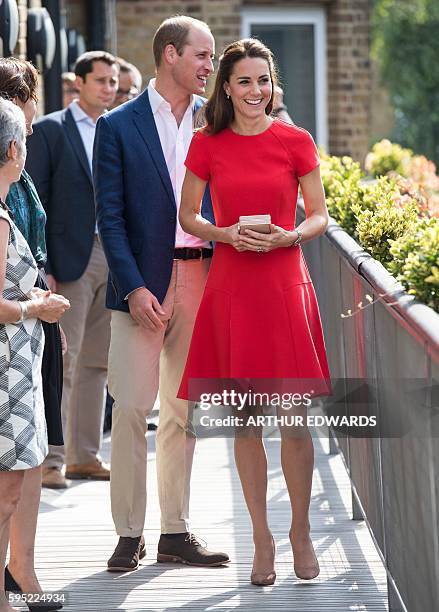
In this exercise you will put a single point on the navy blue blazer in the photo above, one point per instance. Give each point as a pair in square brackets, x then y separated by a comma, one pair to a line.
[135, 204]
[58, 165]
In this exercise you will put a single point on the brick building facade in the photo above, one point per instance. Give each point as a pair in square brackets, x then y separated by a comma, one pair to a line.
[323, 49]
[348, 73]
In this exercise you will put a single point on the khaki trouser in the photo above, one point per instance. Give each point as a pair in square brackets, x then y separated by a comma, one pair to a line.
[87, 328]
[142, 362]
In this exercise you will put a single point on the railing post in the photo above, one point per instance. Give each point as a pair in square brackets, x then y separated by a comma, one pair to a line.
[333, 448]
[357, 514]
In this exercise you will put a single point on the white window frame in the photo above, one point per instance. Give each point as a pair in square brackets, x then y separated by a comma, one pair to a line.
[315, 16]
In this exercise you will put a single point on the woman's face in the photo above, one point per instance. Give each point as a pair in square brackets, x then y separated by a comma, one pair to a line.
[17, 159]
[29, 109]
[250, 87]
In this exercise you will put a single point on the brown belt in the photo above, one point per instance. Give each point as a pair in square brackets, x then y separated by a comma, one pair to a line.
[192, 253]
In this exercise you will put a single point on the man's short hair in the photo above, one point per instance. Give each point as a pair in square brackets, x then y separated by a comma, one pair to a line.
[68, 78]
[84, 63]
[174, 31]
[127, 67]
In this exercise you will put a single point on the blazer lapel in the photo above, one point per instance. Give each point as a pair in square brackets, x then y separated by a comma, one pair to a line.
[76, 141]
[144, 120]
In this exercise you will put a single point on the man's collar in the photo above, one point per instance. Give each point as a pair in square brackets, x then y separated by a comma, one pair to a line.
[156, 100]
[78, 113]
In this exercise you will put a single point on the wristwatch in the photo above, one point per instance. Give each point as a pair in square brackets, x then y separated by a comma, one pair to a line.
[299, 237]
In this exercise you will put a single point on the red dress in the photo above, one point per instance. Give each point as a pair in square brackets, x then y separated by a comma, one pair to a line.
[258, 318]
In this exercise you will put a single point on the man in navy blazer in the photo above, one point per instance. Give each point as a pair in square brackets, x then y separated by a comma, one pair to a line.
[60, 153]
[157, 276]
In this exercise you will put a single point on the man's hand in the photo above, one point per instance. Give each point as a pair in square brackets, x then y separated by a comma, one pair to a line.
[145, 309]
[64, 345]
[51, 283]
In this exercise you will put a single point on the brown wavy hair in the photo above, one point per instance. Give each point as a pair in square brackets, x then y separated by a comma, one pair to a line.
[218, 113]
[18, 79]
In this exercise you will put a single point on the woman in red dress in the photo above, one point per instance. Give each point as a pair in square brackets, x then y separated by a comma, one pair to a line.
[258, 318]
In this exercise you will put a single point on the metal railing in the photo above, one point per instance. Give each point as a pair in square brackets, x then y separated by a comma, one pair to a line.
[395, 478]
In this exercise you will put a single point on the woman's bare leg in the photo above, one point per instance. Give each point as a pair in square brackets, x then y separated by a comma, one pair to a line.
[10, 491]
[22, 533]
[297, 456]
[251, 462]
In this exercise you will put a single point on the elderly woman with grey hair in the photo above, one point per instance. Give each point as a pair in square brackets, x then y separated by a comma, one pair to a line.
[23, 434]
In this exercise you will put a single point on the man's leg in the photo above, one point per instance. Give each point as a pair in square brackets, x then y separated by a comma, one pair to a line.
[175, 446]
[133, 372]
[80, 294]
[175, 438]
[87, 399]
[133, 378]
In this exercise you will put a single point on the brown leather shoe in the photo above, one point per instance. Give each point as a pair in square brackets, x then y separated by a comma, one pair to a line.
[95, 470]
[127, 554]
[53, 478]
[186, 548]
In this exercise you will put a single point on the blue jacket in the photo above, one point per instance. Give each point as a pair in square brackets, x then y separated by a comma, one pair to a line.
[135, 204]
[58, 165]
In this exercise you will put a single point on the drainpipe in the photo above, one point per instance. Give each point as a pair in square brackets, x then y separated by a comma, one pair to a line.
[52, 77]
[102, 27]
[96, 20]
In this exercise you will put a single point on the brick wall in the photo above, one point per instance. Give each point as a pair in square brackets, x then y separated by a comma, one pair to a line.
[138, 20]
[348, 63]
[76, 15]
[20, 49]
[349, 77]
[349, 71]
[348, 53]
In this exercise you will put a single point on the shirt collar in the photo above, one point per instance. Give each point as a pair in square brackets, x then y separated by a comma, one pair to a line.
[78, 113]
[156, 100]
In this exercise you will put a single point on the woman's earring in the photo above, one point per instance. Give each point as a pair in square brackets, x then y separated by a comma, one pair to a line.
[228, 96]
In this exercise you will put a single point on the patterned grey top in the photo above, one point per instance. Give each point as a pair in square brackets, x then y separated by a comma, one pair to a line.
[23, 435]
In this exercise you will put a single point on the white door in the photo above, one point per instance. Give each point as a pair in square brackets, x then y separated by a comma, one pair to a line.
[297, 37]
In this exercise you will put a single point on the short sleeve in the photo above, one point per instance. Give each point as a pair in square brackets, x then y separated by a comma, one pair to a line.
[305, 155]
[198, 157]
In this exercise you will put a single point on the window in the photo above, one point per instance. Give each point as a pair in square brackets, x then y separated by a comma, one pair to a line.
[297, 37]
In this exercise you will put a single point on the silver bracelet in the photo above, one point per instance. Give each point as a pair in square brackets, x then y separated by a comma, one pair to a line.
[299, 237]
[24, 308]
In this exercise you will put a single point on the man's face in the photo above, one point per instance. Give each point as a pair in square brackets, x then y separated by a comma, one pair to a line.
[99, 88]
[191, 69]
[127, 89]
[70, 93]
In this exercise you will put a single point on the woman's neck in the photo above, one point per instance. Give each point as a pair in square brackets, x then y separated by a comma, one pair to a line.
[250, 127]
[4, 188]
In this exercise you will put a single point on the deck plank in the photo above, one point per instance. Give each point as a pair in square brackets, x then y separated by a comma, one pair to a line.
[76, 536]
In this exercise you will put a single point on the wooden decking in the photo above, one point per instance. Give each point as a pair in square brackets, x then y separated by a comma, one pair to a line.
[75, 538]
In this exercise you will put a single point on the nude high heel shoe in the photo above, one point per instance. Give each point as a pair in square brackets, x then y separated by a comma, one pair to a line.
[264, 579]
[307, 572]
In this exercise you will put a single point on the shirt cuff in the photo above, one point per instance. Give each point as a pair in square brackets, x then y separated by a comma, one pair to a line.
[133, 291]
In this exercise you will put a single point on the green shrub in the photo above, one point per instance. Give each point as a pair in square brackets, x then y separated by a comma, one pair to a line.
[341, 178]
[386, 156]
[387, 221]
[336, 170]
[415, 261]
[392, 217]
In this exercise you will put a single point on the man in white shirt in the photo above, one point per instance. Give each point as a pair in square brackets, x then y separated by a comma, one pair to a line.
[60, 153]
[157, 277]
